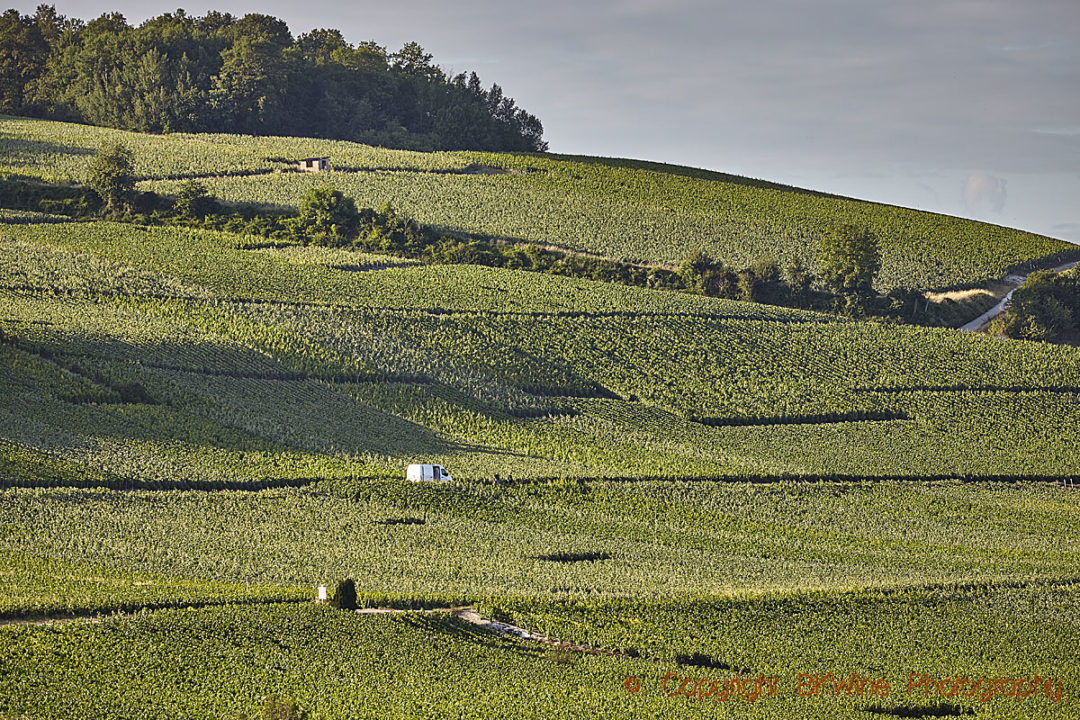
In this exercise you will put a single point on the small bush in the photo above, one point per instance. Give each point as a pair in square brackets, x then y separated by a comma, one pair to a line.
[566, 557]
[704, 661]
[193, 201]
[276, 708]
[327, 216]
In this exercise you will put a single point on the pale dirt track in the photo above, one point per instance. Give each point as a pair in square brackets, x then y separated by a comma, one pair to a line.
[466, 614]
[1017, 280]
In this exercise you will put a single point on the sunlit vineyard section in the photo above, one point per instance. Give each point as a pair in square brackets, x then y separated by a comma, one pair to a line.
[224, 663]
[61, 152]
[221, 662]
[243, 268]
[130, 348]
[648, 216]
[635, 211]
[902, 636]
[654, 541]
[35, 586]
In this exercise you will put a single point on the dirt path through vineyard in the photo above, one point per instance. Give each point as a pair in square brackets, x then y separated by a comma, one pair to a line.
[1016, 279]
[466, 614]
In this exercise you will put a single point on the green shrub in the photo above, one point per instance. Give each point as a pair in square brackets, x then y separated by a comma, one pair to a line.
[327, 216]
[276, 708]
[563, 656]
[193, 201]
[850, 258]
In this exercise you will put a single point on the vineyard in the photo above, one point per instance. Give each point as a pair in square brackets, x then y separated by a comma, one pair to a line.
[653, 538]
[198, 428]
[655, 382]
[702, 580]
[633, 211]
[427, 666]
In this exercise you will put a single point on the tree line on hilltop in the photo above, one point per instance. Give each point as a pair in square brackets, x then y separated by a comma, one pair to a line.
[220, 73]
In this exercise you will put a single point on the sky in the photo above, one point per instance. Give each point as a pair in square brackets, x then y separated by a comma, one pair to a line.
[964, 107]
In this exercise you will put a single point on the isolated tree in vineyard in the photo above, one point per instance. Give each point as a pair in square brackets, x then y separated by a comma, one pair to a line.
[850, 259]
[193, 201]
[111, 177]
[344, 595]
[327, 216]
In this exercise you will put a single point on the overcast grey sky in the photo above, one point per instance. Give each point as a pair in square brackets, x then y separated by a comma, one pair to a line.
[966, 107]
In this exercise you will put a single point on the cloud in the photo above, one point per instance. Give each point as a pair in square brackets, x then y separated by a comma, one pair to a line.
[1061, 131]
[982, 190]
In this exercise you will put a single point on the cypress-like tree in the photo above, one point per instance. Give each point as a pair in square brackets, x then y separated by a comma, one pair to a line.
[344, 595]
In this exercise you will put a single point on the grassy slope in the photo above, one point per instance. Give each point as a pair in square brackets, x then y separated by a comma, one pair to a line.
[643, 212]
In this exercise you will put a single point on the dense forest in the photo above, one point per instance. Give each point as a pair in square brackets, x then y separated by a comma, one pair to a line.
[220, 73]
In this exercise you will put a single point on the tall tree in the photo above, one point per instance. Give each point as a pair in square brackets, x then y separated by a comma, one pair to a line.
[249, 90]
[412, 60]
[112, 178]
[23, 53]
[218, 72]
[850, 259]
[321, 47]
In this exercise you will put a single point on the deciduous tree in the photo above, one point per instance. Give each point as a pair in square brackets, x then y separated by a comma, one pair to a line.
[112, 178]
[850, 259]
[327, 216]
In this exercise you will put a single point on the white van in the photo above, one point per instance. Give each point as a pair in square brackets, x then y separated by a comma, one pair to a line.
[420, 473]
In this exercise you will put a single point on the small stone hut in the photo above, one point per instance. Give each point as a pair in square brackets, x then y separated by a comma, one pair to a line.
[314, 165]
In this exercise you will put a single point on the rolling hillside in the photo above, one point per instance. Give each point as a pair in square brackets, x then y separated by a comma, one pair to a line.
[497, 371]
[634, 211]
[198, 428]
